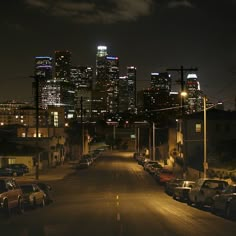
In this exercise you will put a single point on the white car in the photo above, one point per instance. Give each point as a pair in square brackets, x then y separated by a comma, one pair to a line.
[204, 190]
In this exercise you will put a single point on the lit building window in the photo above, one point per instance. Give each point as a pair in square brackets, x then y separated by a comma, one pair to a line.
[23, 135]
[198, 128]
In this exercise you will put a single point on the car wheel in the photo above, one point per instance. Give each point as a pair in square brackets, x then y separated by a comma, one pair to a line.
[6, 209]
[189, 202]
[197, 203]
[228, 213]
[213, 208]
[43, 203]
[20, 207]
[174, 196]
[34, 204]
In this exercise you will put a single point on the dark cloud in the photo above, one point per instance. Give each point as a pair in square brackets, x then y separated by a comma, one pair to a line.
[180, 3]
[94, 12]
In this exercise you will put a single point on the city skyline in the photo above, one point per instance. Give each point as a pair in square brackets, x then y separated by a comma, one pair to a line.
[151, 35]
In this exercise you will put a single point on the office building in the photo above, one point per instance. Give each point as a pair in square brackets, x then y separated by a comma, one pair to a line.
[42, 73]
[194, 101]
[62, 65]
[161, 81]
[131, 77]
[82, 79]
[106, 86]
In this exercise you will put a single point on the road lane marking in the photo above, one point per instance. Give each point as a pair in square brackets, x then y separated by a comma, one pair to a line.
[117, 197]
[118, 217]
[117, 203]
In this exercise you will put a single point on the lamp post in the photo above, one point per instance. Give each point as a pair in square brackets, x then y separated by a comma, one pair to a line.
[205, 165]
[138, 140]
[153, 142]
[82, 126]
[183, 94]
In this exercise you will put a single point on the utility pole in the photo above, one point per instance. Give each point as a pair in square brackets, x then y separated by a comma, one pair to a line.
[153, 142]
[82, 125]
[182, 95]
[205, 165]
[36, 78]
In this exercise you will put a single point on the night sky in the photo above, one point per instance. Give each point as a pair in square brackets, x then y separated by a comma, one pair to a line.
[152, 35]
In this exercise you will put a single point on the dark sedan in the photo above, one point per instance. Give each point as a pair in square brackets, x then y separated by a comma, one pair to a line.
[9, 171]
[19, 167]
[225, 202]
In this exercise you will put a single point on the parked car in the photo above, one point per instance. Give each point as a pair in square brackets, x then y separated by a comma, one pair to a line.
[142, 160]
[164, 175]
[33, 195]
[181, 192]
[204, 190]
[5, 172]
[171, 184]
[11, 196]
[11, 171]
[89, 158]
[153, 167]
[47, 190]
[83, 163]
[19, 167]
[225, 202]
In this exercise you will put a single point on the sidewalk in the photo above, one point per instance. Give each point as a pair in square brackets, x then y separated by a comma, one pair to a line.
[49, 174]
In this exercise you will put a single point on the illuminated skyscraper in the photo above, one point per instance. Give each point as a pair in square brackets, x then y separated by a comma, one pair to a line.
[158, 96]
[194, 94]
[43, 71]
[101, 68]
[123, 94]
[82, 78]
[112, 85]
[62, 65]
[106, 85]
[127, 91]
[43, 67]
[161, 81]
[131, 75]
[59, 93]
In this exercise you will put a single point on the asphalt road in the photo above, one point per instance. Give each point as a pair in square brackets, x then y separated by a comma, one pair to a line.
[115, 197]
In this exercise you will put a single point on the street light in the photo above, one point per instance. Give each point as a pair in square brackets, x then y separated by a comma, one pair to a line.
[183, 94]
[205, 166]
[153, 142]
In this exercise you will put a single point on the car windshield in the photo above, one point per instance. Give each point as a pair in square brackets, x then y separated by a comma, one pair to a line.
[214, 184]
